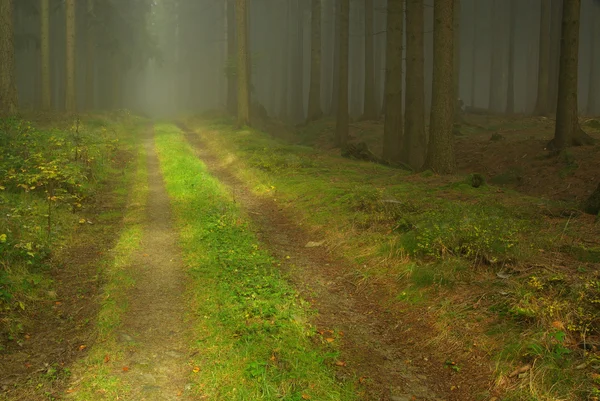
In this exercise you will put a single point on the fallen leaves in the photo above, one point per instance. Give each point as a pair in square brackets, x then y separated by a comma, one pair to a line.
[125, 368]
[196, 369]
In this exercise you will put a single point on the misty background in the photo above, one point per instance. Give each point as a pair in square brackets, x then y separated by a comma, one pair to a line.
[167, 56]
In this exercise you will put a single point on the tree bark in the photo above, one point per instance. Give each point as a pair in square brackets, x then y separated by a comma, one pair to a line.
[341, 127]
[393, 124]
[414, 144]
[314, 96]
[456, 58]
[568, 131]
[510, 93]
[542, 102]
[8, 89]
[231, 59]
[116, 76]
[70, 101]
[496, 69]
[475, 46]
[285, 76]
[440, 157]
[297, 67]
[243, 70]
[336, 58]
[555, 41]
[90, 63]
[45, 54]
[370, 104]
[594, 78]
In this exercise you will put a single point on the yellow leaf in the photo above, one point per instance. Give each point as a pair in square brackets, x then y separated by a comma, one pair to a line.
[305, 397]
[330, 340]
[196, 369]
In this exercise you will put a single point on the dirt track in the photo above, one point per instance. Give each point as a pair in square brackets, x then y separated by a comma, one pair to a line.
[380, 345]
[153, 331]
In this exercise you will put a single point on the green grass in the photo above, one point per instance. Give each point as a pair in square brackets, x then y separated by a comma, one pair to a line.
[48, 173]
[438, 243]
[252, 335]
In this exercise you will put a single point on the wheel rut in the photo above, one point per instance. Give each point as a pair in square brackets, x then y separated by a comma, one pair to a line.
[371, 345]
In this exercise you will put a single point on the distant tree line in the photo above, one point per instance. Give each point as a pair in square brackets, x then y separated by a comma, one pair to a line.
[413, 63]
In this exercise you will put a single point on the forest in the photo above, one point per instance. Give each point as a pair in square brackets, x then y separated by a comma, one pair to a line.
[297, 200]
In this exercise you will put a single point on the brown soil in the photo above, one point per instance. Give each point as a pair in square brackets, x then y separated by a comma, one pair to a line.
[392, 351]
[521, 153]
[60, 327]
[571, 177]
[153, 329]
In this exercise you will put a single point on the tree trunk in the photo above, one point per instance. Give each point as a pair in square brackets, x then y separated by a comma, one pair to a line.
[285, 76]
[414, 145]
[70, 105]
[475, 46]
[555, 38]
[456, 58]
[496, 68]
[341, 127]
[542, 102]
[393, 124]
[314, 97]
[370, 106]
[510, 93]
[45, 53]
[8, 89]
[231, 59]
[440, 157]
[297, 68]
[568, 131]
[243, 70]
[594, 78]
[116, 75]
[90, 64]
[336, 58]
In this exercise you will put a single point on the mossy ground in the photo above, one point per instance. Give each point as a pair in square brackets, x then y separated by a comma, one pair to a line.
[511, 275]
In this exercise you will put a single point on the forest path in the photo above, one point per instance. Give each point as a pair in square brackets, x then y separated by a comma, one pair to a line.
[153, 330]
[371, 346]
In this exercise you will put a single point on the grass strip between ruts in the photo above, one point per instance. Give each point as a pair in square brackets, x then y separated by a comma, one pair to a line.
[252, 335]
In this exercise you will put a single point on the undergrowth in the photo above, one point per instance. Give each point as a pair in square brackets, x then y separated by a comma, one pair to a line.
[529, 302]
[47, 175]
[252, 337]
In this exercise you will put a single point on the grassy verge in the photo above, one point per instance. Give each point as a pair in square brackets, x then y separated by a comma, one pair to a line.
[94, 376]
[49, 173]
[489, 265]
[252, 336]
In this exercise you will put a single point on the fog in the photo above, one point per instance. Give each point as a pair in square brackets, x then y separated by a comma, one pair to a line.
[163, 57]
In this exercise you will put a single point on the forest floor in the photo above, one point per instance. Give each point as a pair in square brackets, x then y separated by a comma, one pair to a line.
[509, 151]
[228, 265]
